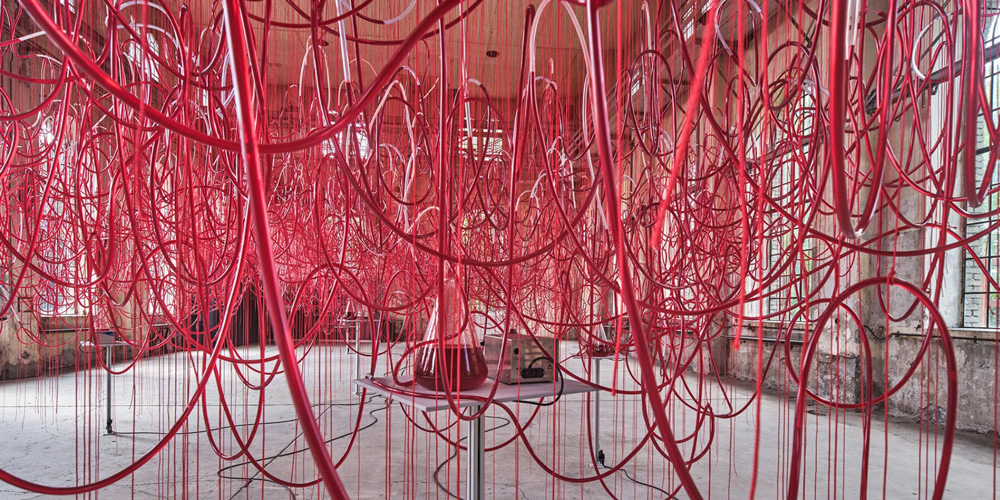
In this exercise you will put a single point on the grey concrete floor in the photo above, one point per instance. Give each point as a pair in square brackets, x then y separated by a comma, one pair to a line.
[52, 433]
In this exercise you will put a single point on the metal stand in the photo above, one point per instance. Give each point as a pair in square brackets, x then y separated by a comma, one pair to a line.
[476, 482]
[109, 350]
[348, 326]
[598, 452]
[431, 402]
[357, 352]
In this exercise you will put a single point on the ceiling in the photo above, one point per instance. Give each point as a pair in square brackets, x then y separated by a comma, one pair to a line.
[491, 26]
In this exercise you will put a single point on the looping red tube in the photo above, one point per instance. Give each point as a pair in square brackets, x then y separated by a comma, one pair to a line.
[675, 186]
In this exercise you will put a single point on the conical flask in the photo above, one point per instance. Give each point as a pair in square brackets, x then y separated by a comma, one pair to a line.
[454, 362]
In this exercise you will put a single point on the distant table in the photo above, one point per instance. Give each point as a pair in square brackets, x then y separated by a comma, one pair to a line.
[426, 401]
[107, 352]
[355, 325]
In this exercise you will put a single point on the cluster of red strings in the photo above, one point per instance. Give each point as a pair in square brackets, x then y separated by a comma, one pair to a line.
[155, 172]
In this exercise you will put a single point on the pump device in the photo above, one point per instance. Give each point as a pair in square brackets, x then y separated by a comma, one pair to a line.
[525, 360]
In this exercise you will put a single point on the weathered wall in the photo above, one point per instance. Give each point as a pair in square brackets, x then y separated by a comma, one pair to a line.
[895, 342]
[27, 352]
[832, 377]
[924, 396]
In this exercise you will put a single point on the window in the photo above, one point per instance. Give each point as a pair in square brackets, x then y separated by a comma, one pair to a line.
[791, 287]
[981, 305]
[136, 54]
[56, 300]
[790, 161]
[47, 133]
[58, 240]
[687, 20]
[486, 141]
[328, 148]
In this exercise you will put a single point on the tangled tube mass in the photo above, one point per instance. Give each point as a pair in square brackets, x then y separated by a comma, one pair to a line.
[154, 169]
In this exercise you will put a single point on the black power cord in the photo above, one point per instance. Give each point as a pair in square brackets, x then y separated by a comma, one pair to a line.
[600, 465]
[558, 373]
[249, 480]
[267, 460]
[202, 431]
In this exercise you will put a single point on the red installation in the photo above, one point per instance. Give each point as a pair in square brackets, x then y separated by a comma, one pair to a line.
[468, 249]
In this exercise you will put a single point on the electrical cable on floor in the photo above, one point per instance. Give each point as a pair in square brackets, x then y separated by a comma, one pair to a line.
[267, 460]
[273, 422]
[600, 465]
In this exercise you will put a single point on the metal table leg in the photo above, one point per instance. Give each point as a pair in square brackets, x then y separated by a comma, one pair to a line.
[598, 452]
[357, 356]
[108, 352]
[476, 483]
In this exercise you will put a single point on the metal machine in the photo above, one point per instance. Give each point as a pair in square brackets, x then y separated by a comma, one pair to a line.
[525, 360]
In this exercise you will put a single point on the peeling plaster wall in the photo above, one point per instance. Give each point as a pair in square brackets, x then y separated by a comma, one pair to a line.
[23, 358]
[924, 395]
[831, 377]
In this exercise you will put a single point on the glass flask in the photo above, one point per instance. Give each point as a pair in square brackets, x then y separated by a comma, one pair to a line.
[603, 346]
[459, 365]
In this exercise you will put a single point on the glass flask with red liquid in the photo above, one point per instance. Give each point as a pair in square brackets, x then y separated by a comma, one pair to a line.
[603, 345]
[456, 361]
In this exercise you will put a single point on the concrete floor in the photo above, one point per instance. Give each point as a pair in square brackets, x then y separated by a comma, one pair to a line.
[52, 433]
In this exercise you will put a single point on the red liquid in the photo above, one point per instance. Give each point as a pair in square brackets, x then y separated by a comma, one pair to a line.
[466, 368]
[601, 350]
